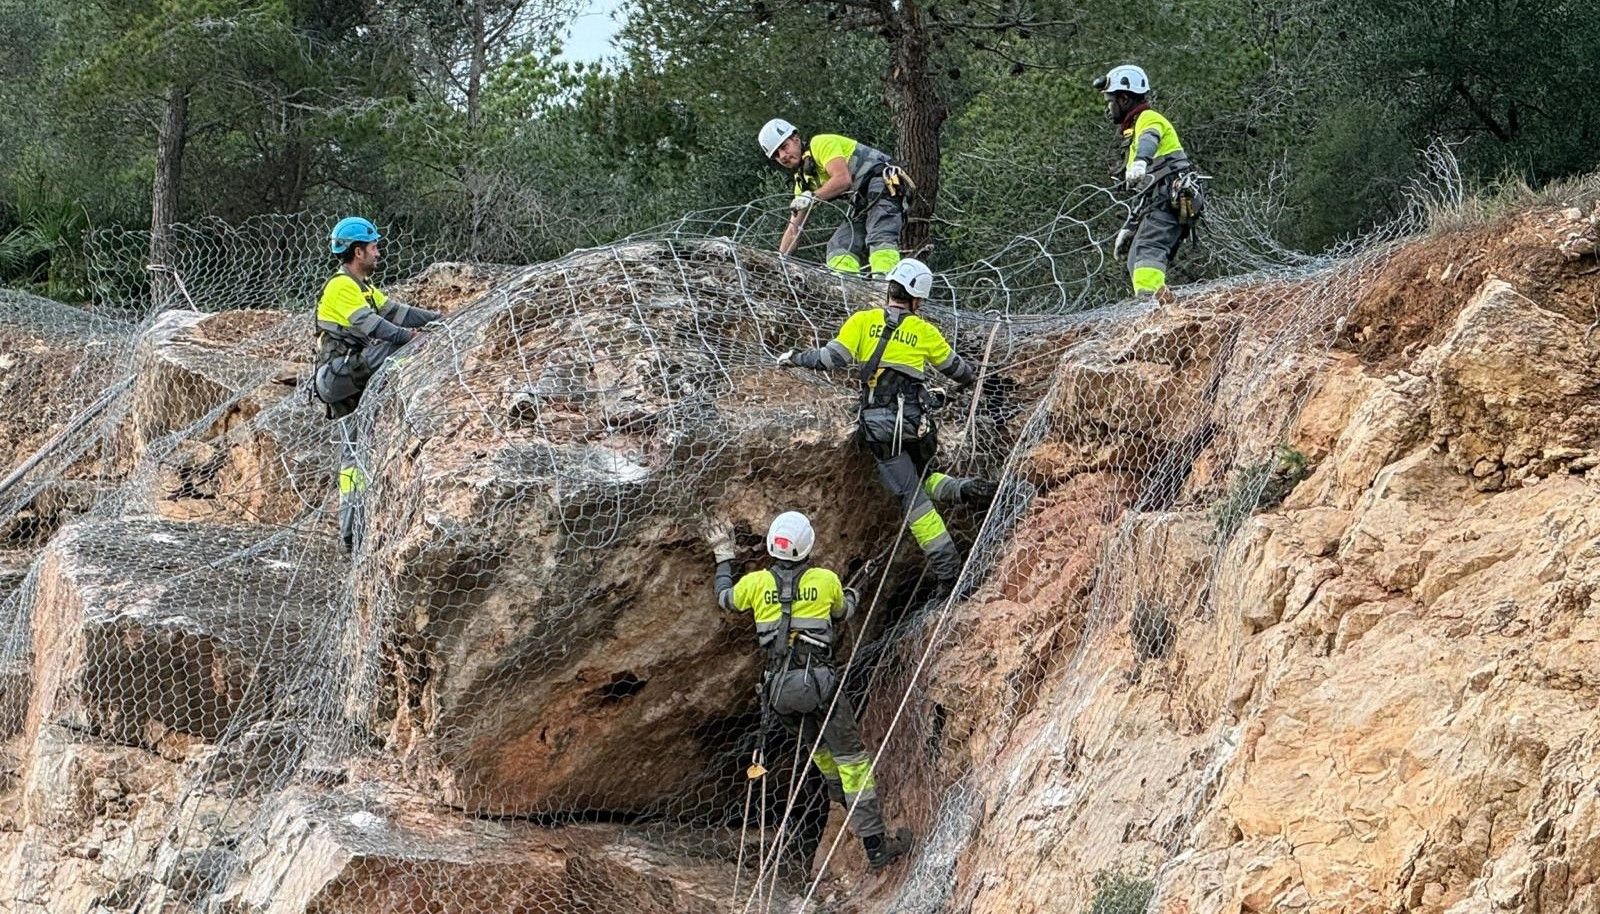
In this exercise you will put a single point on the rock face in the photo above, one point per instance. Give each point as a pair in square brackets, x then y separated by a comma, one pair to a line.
[213, 426]
[556, 648]
[54, 361]
[57, 364]
[1371, 698]
[213, 708]
[335, 854]
[1288, 603]
[132, 653]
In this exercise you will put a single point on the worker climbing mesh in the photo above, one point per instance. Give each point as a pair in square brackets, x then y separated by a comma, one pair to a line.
[516, 693]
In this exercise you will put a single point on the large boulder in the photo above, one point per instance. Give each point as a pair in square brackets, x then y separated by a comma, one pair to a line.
[150, 632]
[54, 361]
[79, 812]
[218, 432]
[373, 851]
[222, 424]
[533, 562]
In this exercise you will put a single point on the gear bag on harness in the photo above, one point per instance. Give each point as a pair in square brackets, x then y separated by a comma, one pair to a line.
[881, 425]
[795, 690]
[897, 184]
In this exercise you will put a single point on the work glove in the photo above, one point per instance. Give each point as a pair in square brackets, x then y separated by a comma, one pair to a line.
[978, 492]
[852, 599]
[719, 535]
[803, 202]
[787, 359]
[1136, 172]
[431, 326]
[1120, 246]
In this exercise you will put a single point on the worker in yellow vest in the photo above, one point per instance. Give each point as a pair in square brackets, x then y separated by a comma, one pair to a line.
[797, 608]
[876, 192]
[358, 330]
[897, 351]
[1155, 169]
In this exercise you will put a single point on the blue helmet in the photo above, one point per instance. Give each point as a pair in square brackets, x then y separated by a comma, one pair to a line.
[351, 230]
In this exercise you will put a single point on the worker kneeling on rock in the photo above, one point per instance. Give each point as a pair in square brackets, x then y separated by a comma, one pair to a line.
[796, 607]
[896, 348]
[358, 329]
[833, 167]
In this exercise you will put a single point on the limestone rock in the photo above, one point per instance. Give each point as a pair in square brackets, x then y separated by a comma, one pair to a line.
[54, 360]
[1377, 699]
[557, 646]
[372, 853]
[249, 446]
[83, 808]
[1515, 389]
[126, 647]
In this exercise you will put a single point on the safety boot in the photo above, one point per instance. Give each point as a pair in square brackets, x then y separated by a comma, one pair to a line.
[883, 850]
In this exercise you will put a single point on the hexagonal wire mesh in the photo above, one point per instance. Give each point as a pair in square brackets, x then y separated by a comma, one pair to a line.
[516, 693]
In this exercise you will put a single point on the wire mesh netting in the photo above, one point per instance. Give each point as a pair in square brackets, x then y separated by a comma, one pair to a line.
[515, 694]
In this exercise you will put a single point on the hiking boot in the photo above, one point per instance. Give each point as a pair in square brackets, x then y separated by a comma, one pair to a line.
[883, 850]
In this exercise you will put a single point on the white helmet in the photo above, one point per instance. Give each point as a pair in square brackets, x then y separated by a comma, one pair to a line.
[773, 133]
[914, 275]
[790, 537]
[1124, 78]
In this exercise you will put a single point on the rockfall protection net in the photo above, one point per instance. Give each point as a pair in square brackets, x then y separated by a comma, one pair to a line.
[271, 261]
[516, 693]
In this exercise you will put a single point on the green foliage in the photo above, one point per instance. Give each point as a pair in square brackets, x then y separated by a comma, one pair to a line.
[1121, 892]
[1258, 487]
[378, 107]
[41, 248]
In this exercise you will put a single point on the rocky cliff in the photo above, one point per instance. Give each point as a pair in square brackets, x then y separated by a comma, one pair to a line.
[1287, 601]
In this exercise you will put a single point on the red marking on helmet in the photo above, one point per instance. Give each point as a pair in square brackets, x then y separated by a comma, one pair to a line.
[782, 542]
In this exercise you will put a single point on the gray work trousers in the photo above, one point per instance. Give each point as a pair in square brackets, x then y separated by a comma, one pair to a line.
[901, 476]
[341, 381]
[872, 229]
[1155, 241]
[840, 756]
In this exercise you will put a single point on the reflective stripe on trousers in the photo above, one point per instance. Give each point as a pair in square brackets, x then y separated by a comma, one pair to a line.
[844, 763]
[899, 475]
[1154, 242]
[873, 233]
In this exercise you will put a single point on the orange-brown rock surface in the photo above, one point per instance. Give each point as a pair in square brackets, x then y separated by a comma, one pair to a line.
[1288, 604]
[1376, 696]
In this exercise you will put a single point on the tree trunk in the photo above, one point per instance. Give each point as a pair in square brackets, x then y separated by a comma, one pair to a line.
[478, 64]
[918, 113]
[170, 139]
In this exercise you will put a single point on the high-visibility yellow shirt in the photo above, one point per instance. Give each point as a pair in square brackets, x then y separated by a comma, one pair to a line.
[342, 298]
[1149, 120]
[818, 595]
[915, 345]
[824, 148]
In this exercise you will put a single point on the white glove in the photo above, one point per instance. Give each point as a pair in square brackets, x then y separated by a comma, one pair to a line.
[1124, 238]
[431, 326]
[787, 359]
[1136, 171]
[720, 536]
[803, 202]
